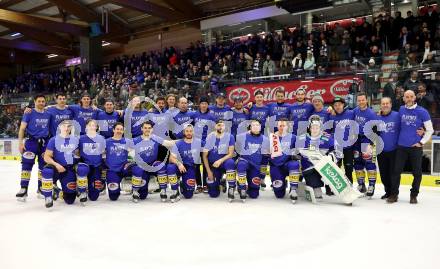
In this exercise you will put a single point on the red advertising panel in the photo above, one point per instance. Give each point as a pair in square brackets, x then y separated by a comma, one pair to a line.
[328, 88]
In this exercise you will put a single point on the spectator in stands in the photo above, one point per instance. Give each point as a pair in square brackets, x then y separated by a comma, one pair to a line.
[403, 58]
[424, 98]
[257, 66]
[426, 51]
[412, 82]
[268, 67]
[405, 37]
[398, 100]
[389, 90]
[309, 64]
[285, 67]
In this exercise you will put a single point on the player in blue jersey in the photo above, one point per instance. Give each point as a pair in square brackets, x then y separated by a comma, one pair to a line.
[116, 149]
[239, 115]
[35, 127]
[83, 112]
[182, 118]
[88, 170]
[218, 160]
[204, 122]
[410, 146]
[60, 156]
[146, 150]
[221, 110]
[185, 155]
[320, 110]
[259, 111]
[284, 167]
[58, 113]
[107, 118]
[253, 150]
[315, 140]
[134, 116]
[300, 112]
[344, 133]
[364, 155]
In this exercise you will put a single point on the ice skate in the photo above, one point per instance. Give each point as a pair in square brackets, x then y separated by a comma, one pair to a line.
[39, 194]
[362, 189]
[262, 185]
[48, 202]
[103, 192]
[223, 185]
[163, 195]
[83, 198]
[22, 194]
[318, 193]
[370, 191]
[293, 196]
[175, 196]
[243, 195]
[56, 192]
[231, 196]
[135, 196]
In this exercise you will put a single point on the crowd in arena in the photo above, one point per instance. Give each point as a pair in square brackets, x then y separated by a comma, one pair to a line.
[292, 51]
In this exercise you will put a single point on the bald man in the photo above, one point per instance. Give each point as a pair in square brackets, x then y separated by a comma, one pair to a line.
[410, 146]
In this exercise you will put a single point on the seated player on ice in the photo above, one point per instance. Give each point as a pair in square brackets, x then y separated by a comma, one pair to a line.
[116, 149]
[146, 150]
[284, 167]
[315, 140]
[184, 160]
[253, 150]
[218, 159]
[60, 158]
[88, 170]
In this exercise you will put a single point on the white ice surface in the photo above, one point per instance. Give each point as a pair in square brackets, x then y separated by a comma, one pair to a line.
[212, 233]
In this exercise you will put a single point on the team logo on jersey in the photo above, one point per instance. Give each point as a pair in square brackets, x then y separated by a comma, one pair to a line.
[113, 186]
[71, 186]
[29, 155]
[256, 181]
[277, 183]
[191, 182]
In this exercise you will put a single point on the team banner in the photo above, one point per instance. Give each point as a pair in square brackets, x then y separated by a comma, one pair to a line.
[328, 88]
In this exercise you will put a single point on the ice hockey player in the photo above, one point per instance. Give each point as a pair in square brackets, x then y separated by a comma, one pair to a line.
[184, 158]
[60, 157]
[253, 151]
[364, 155]
[146, 149]
[35, 125]
[283, 166]
[318, 141]
[218, 160]
[88, 170]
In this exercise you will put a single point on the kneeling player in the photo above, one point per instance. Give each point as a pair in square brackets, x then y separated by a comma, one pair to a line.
[117, 161]
[184, 158]
[60, 158]
[217, 160]
[315, 141]
[88, 171]
[146, 149]
[253, 149]
[282, 166]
